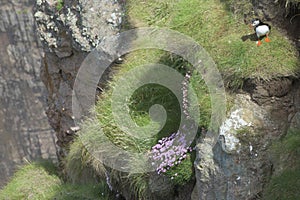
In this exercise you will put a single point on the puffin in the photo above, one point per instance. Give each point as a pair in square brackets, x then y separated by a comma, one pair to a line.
[261, 29]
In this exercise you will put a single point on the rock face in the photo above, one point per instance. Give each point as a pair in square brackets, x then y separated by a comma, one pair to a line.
[239, 165]
[69, 34]
[24, 128]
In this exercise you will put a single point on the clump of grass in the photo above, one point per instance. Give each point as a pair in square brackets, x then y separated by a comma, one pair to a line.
[288, 148]
[80, 158]
[24, 184]
[81, 166]
[284, 186]
[139, 185]
[39, 180]
[181, 174]
[286, 182]
[59, 4]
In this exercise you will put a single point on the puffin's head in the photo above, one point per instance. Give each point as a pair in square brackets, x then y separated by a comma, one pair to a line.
[255, 22]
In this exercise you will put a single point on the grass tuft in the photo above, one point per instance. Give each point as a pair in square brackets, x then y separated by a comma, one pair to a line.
[59, 4]
[286, 182]
[39, 180]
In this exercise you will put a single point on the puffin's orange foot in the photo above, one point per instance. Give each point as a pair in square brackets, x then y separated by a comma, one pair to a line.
[267, 40]
[258, 43]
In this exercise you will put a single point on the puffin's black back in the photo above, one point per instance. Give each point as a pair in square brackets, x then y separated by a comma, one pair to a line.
[262, 23]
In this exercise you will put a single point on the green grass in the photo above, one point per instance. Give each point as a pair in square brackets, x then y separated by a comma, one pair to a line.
[220, 32]
[59, 4]
[80, 165]
[208, 22]
[288, 148]
[39, 180]
[182, 173]
[285, 184]
[138, 184]
[139, 104]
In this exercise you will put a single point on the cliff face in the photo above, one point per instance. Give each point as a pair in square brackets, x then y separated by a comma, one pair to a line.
[68, 34]
[24, 128]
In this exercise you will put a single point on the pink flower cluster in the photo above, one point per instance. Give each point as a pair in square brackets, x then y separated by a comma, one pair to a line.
[169, 151]
[173, 150]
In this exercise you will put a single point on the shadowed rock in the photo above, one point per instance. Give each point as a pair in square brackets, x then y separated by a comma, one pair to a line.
[24, 129]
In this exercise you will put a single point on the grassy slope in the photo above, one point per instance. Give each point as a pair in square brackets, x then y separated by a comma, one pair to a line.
[39, 180]
[220, 34]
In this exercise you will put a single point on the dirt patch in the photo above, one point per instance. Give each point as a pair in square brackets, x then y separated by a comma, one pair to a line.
[262, 91]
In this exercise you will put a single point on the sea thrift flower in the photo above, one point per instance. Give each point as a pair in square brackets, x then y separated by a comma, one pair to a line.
[172, 150]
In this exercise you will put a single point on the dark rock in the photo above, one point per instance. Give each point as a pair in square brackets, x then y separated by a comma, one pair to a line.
[67, 37]
[239, 165]
[24, 128]
[262, 90]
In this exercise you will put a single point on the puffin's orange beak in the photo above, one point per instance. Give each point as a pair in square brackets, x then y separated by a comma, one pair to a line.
[250, 26]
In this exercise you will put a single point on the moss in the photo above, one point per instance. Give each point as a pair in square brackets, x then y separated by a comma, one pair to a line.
[184, 172]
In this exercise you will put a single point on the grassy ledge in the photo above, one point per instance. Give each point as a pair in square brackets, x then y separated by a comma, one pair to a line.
[39, 180]
[220, 33]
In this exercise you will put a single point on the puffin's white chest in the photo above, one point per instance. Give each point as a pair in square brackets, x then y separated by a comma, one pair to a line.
[262, 30]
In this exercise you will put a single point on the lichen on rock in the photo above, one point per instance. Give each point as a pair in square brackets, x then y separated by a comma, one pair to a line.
[87, 22]
[68, 34]
[239, 165]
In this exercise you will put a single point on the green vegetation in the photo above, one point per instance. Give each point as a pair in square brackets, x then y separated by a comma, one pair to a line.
[81, 167]
[284, 186]
[182, 173]
[210, 24]
[59, 4]
[286, 182]
[39, 180]
[139, 105]
[288, 148]
[219, 32]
